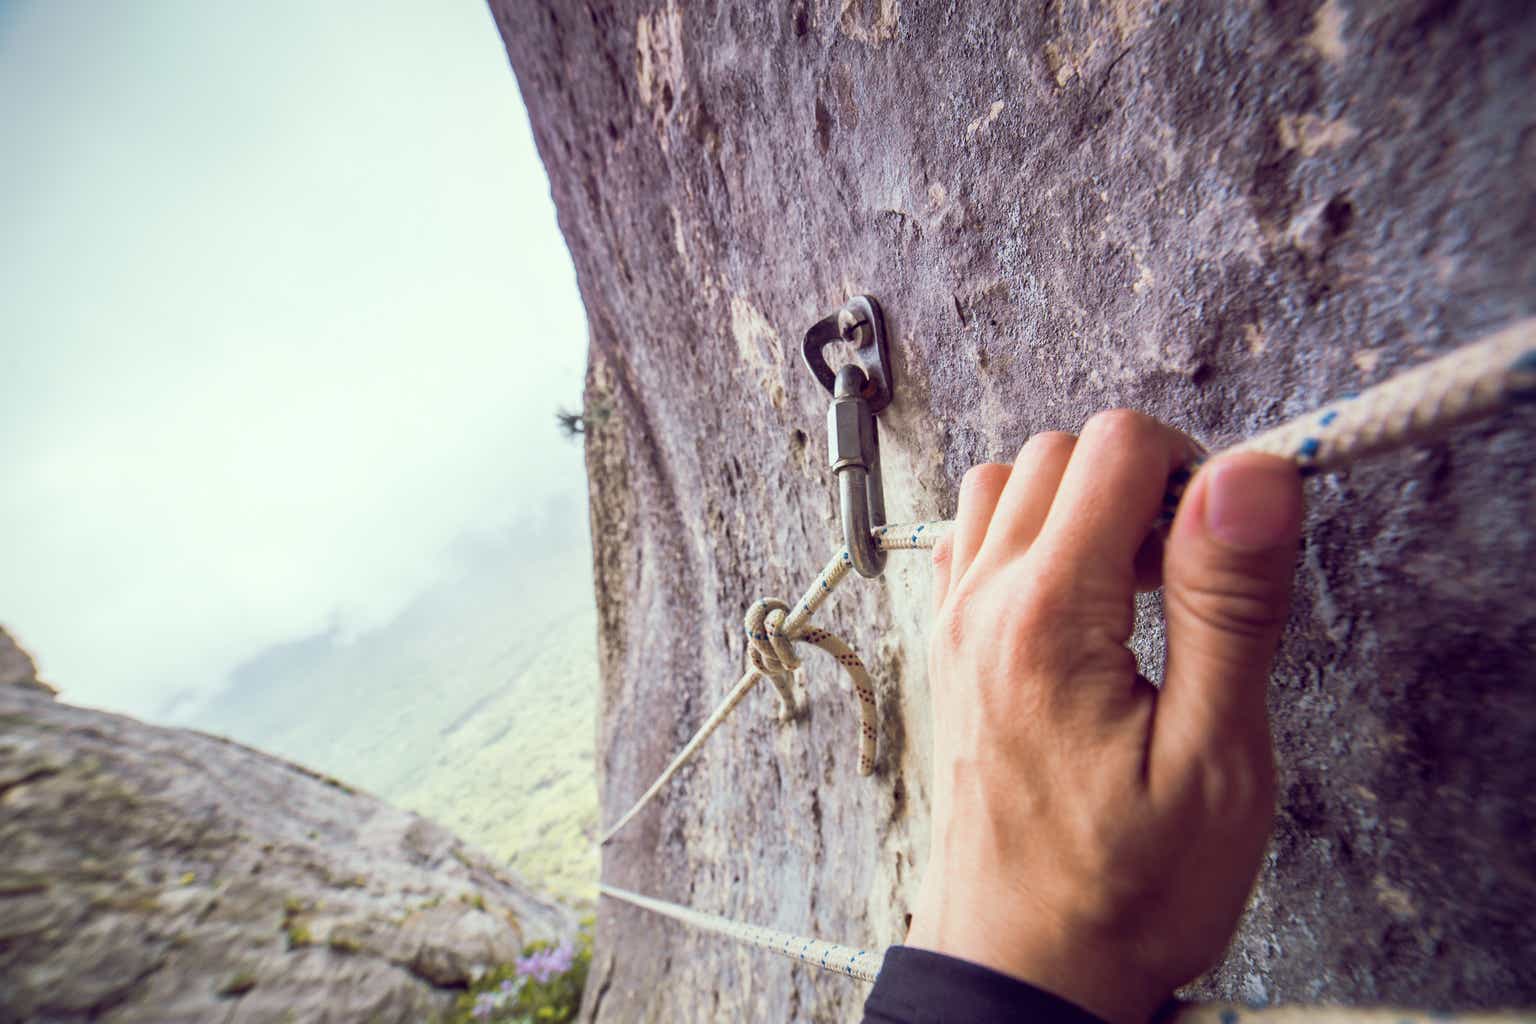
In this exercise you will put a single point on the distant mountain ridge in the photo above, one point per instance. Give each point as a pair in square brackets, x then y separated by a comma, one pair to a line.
[474, 706]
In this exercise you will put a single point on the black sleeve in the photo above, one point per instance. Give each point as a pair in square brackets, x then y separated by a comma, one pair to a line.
[921, 987]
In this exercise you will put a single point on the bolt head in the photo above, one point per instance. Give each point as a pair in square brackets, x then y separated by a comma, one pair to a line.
[845, 432]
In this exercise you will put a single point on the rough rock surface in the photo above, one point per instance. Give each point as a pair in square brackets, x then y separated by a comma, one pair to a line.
[17, 667]
[1221, 214]
[163, 875]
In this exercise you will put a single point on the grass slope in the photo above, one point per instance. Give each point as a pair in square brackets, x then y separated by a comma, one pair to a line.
[516, 776]
[475, 707]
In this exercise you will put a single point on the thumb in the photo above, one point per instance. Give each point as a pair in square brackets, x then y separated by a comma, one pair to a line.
[1227, 582]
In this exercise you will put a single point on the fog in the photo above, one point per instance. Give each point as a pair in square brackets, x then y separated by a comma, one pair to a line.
[285, 318]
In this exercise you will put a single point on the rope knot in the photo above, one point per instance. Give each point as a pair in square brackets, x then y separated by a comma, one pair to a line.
[771, 655]
[771, 652]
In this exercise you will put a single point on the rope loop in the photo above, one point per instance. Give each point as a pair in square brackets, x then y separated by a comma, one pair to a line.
[771, 655]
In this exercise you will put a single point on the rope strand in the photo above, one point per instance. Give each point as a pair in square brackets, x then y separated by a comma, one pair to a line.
[855, 963]
[1417, 405]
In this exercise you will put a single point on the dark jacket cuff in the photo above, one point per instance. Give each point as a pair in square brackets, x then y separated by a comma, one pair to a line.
[917, 986]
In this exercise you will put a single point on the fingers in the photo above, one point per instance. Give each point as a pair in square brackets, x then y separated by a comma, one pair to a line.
[1026, 498]
[1112, 491]
[979, 491]
[1227, 570]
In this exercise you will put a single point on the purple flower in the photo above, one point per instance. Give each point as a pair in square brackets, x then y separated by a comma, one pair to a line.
[561, 957]
[485, 1005]
[544, 964]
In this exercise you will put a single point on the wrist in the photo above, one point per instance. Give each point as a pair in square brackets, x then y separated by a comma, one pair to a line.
[1006, 934]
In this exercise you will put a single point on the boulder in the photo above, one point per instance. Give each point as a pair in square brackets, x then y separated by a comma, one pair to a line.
[163, 875]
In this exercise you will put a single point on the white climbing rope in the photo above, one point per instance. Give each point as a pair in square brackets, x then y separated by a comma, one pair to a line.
[1415, 406]
[1410, 408]
[855, 963]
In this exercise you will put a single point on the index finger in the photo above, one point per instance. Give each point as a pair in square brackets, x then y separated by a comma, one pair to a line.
[1112, 491]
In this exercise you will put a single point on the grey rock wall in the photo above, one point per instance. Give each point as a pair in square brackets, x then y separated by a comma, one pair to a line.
[167, 876]
[1221, 214]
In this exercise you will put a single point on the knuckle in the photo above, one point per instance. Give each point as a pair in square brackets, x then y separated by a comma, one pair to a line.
[1046, 444]
[968, 615]
[1125, 427]
[943, 552]
[1230, 601]
[1114, 422]
[1030, 634]
[1039, 608]
[1058, 601]
[982, 476]
[952, 627]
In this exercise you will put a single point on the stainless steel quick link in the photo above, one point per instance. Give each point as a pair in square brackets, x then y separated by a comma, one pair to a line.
[859, 391]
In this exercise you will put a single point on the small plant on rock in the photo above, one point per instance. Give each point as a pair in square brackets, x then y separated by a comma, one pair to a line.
[572, 424]
[543, 986]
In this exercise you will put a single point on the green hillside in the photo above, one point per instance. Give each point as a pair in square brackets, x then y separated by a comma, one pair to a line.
[516, 776]
[475, 707]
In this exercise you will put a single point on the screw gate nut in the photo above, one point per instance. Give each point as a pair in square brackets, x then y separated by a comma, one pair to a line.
[845, 432]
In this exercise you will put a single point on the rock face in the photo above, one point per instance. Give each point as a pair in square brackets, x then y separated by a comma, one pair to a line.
[1222, 214]
[163, 875]
[17, 668]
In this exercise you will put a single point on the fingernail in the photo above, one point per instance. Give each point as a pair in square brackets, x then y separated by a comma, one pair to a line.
[1252, 503]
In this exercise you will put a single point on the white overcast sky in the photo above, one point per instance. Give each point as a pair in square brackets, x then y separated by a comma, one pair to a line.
[284, 311]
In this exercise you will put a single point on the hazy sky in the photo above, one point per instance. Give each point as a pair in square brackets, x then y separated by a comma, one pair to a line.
[284, 313]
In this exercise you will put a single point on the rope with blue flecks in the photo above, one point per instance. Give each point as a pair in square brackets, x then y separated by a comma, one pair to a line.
[1410, 408]
[855, 963]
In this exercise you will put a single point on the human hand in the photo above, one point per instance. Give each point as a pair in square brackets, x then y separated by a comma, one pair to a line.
[1092, 834]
